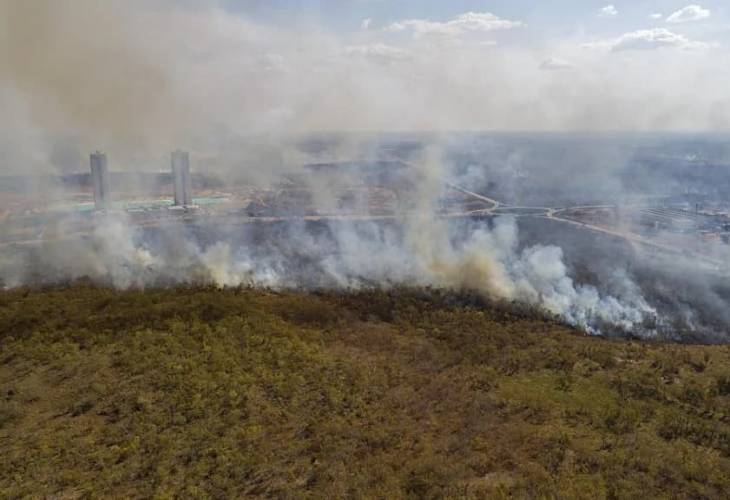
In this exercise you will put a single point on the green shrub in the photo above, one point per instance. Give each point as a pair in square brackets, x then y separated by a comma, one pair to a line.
[10, 411]
[201, 392]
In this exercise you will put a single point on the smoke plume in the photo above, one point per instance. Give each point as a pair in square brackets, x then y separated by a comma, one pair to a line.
[138, 79]
[420, 249]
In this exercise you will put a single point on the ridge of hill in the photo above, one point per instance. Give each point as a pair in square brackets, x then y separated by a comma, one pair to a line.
[207, 393]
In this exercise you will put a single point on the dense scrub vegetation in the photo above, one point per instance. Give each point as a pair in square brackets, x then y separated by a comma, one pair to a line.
[198, 392]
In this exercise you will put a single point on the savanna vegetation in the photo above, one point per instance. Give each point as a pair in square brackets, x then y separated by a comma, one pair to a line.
[206, 393]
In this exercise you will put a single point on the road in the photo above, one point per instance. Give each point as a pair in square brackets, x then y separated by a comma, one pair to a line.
[553, 214]
[495, 203]
[496, 208]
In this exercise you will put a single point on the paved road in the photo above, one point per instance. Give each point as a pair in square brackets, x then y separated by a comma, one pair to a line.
[497, 208]
[554, 214]
[495, 203]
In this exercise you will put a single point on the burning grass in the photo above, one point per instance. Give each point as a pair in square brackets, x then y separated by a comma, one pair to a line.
[207, 393]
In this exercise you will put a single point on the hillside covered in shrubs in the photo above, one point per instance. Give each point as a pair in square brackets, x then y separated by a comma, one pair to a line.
[207, 393]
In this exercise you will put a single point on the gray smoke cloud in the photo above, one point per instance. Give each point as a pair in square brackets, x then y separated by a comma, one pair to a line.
[486, 261]
[419, 250]
[135, 78]
[138, 79]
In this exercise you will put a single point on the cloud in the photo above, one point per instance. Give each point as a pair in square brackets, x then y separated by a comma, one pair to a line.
[366, 24]
[687, 14]
[655, 38]
[656, 15]
[555, 64]
[464, 23]
[379, 52]
[241, 78]
[270, 63]
[608, 11]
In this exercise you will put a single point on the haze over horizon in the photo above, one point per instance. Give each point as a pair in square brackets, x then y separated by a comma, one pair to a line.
[150, 76]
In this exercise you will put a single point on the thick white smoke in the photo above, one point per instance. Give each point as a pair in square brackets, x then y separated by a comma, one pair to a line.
[352, 256]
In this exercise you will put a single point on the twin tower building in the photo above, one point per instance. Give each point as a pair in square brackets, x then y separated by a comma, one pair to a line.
[182, 184]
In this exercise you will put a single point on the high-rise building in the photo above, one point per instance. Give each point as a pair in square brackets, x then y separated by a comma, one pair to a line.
[100, 180]
[181, 178]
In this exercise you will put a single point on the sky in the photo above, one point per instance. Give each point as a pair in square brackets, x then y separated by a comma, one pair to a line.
[140, 75]
[545, 21]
